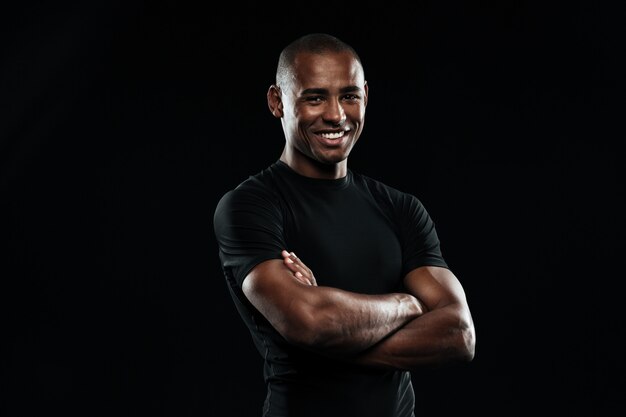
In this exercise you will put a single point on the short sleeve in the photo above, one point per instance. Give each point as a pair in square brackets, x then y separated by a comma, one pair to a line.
[248, 229]
[420, 243]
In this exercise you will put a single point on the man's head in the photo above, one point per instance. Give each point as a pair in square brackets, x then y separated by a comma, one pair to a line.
[320, 96]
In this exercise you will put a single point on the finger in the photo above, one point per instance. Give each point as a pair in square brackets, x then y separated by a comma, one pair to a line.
[290, 265]
[299, 262]
[292, 256]
[299, 272]
[299, 276]
[288, 259]
[303, 279]
[295, 267]
[295, 264]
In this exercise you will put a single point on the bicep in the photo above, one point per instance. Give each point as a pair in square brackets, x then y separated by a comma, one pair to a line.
[279, 297]
[435, 287]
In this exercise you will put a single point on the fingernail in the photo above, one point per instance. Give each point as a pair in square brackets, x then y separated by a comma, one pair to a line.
[289, 261]
[298, 274]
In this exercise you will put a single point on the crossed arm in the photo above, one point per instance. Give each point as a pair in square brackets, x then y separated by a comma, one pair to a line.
[431, 325]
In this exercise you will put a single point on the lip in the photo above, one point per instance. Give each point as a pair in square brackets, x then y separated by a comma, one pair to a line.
[332, 142]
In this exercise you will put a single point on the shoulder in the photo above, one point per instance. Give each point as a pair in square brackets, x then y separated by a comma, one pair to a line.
[384, 193]
[257, 190]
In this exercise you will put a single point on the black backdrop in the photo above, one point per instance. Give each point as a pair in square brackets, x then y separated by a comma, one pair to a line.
[122, 124]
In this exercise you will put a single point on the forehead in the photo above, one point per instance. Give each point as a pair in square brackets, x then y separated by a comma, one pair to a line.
[327, 70]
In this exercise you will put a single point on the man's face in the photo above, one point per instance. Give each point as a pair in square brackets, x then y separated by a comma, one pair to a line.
[324, 106]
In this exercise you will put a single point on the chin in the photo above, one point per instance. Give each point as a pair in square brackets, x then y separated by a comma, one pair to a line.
[331, 160]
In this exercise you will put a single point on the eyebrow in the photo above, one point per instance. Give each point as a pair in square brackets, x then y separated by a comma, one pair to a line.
[322, 91]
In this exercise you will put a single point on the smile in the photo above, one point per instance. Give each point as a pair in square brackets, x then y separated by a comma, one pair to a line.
[334, 135]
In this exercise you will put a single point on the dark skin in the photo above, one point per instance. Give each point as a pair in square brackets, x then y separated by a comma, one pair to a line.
[327, 97]
[322, 111]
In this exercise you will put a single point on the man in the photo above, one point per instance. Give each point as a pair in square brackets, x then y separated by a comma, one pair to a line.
[339, 277]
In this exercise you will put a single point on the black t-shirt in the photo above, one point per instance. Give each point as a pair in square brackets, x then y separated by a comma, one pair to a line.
[355, 233]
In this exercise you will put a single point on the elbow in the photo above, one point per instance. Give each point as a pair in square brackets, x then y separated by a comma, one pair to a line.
[466, 343]
[299, 336]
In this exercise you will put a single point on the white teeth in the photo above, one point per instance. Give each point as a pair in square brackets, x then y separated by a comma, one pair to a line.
[332, 135]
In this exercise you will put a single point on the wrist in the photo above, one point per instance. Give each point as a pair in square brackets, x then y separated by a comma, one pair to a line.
[414, 306]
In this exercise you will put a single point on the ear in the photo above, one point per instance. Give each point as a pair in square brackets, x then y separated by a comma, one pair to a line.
[274, 101]
[366, 88]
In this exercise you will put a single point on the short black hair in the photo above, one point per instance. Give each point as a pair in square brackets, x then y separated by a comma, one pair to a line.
[316, 43]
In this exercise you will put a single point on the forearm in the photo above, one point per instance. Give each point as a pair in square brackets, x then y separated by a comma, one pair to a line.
[336, 322]
[436, 338]
[348, 323]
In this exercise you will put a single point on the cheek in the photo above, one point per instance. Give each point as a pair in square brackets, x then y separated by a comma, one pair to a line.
[356, 113]
[307, 115]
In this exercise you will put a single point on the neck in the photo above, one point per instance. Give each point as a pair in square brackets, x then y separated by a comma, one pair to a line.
[311, 168]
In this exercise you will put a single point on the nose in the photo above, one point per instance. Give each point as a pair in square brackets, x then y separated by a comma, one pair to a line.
[334, 113]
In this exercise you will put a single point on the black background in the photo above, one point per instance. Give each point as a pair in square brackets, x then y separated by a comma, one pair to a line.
[123, 123]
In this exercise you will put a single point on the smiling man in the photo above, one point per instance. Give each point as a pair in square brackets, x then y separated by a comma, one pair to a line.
[339, 277]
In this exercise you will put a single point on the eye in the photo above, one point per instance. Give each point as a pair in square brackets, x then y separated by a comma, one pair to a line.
[351, 97]
[314, 99]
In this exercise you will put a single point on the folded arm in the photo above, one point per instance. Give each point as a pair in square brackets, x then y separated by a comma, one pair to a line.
[444, 334]
[325, 319]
